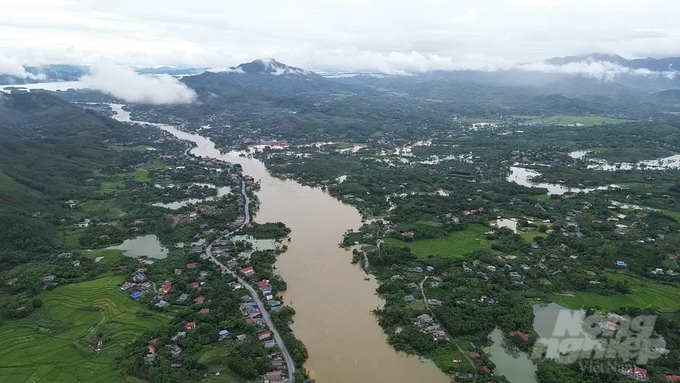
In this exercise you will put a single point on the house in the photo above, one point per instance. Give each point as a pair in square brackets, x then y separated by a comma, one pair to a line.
[179, 336]
[264, 335]
[162, 304]
[396, 277]
[621, 264]
[672, 378]
[424, 319]
[491, 268]
[232, 263]
[204, 310]
[429, 269]
[136, 295]
[270, 343]
[178, 272]
[474, 355]
[636, 373]
[240, 339]
[458, 360]
[434, 302]
[199, 300]
[196, 286]
[175, 350]
[515, 275]
[190, 326]
[408, 235]
[274, 376]
[413, 286]
[223, 334]
[167, 286]
[463, 376]
[409, 299]
[248, 271]
[192, 265]
[611, 326]
[486, 370]
[183, 298]
[202, 275]
[518, 334]
[49, 278]
[126, 286]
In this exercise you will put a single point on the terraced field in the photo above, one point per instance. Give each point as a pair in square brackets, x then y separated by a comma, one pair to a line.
[55, 343]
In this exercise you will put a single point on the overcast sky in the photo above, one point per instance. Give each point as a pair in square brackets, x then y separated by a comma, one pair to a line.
[383, 35]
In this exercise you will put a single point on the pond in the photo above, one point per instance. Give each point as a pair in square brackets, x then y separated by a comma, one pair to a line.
[147, 245]
[509, 223]
[221, 192]
[552, 323]
[524, 176]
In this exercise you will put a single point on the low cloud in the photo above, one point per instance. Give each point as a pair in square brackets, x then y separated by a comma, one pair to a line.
[12, 66]
[600, 70]
[124, 83]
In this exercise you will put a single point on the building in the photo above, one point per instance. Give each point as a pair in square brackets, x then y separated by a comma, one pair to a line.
[199, 300]
[248, 271]
[192, 265]
[270, 343]
[264, 335]
[274, 376]
[167, 286]
[204, 310]
[190, 326]
[519, 335]
[636, 373]
[409, 299]
[223, 334]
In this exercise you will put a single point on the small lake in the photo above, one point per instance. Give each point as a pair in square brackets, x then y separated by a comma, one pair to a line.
[549, 322]
[509, 223]
[221, 192]
[147, 245]
[672, 162]
[524, 176]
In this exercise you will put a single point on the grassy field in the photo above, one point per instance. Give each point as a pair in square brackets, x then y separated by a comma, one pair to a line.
[455, 245]
[646, 294]
[584, 120]
[673, 214]
[528, 236]
[52, 344]
[215, 359]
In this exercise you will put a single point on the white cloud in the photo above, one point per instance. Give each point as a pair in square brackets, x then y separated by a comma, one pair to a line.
[600, 70]
[381, 35]
[12, 66]
[124, 83]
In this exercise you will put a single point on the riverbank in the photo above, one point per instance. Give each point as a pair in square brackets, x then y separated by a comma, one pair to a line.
[332, 301]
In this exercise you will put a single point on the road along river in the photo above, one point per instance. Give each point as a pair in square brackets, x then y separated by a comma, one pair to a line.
[332, 300]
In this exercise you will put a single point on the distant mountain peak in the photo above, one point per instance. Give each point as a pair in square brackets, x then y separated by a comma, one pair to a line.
[589, 58]
[269, 66]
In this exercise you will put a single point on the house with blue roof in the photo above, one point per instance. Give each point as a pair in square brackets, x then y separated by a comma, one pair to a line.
[136, 295]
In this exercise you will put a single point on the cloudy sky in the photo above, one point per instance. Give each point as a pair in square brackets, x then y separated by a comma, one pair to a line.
[322, 35]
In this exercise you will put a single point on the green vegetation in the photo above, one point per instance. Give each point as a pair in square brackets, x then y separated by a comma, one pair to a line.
[645, 294]
[56, 342]
[571, 120]
[456, 245]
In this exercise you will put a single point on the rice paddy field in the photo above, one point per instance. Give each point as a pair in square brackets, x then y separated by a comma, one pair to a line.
[645, 294]
[56, 342]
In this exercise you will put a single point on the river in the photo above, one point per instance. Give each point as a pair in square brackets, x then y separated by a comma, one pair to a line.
[332, 300]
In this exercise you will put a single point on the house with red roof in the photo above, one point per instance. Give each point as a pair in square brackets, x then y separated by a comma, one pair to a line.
[204, 310]
[192, 265]
[167, 286]
[190, 326]
[248, 271]
[264, 335]
[474, 355]
[486, 369]
[518, 334]
[199, 300]
[274, 376]
[672, 378]
[636, 373]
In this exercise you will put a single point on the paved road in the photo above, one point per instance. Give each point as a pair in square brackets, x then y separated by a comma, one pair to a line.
[254, 295]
